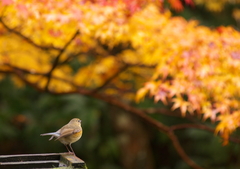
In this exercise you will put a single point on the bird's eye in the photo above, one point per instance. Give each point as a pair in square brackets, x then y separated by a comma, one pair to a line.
[79, 121]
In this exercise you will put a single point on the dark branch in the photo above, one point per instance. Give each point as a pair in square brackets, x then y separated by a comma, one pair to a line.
[160, 126]
[202, 127]
[175, 113]
[139, 65]
[110, 79]
[23, 70]
[27, 39]
[181, 151]
[20, 74]
[70, 57]
[198, 126]
[56, 61]
[169, 131]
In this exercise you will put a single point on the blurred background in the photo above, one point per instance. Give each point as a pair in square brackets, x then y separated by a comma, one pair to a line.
[112, 138]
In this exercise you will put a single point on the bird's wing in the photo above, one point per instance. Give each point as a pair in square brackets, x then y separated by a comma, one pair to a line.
[67, 132]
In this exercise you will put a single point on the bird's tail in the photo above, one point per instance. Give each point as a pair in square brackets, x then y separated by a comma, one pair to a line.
[53, 134]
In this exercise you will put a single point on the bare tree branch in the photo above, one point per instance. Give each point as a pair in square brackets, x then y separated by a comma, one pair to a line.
[161, 127]
[55, 63]
[115, 102]
[20, 74]
[113, 76]
[71, 57]
[139, 65]
[175, 113]
[27, 39]
[83, 91]
[22, 70]
[202, 127]
[181, 151]
[168, 130]
[197, 126]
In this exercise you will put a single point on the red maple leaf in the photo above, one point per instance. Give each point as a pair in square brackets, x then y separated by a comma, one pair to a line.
[189, 2]
[176, 4]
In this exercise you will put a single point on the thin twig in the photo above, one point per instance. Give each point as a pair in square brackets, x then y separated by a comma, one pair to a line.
[139, 64]
[71, 57]
[181, 151]
[175, 113]
[23, 70]
[202, 127]
[113, 76]
[55, 63]
[21, 76]
[27, 39]
[197, 126]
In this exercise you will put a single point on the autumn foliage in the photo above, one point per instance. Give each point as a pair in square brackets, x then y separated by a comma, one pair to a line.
[128, 50]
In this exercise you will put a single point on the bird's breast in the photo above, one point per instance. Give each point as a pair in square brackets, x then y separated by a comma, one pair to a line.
[71, 138]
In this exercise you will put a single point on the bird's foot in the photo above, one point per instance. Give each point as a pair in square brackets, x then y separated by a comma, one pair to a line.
[71, 153]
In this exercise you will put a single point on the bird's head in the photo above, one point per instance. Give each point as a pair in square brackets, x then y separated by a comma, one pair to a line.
[75, 121]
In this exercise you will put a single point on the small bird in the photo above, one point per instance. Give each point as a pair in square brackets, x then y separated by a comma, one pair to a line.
[68, 134]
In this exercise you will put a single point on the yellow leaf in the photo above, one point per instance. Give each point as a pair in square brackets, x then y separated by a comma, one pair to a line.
[179, 102]
[141, 93]
[215, 6]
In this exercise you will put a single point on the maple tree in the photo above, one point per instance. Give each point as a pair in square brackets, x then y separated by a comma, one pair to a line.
[124, 51]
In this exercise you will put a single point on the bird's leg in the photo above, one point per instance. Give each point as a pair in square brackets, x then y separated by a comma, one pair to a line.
[68, 149]
[71, 149]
